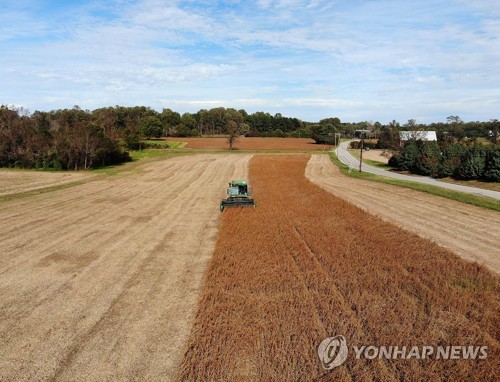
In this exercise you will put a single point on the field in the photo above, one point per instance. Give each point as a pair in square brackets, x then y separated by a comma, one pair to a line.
[99, 281]
[467, 230]
[305, 265]
[14, 181]
[135, 274]
[243, 143]
[375, 155]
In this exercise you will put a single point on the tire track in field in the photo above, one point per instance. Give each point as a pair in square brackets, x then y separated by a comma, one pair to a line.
[99, 281]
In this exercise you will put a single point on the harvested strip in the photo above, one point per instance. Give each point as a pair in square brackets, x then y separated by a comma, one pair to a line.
[305, 265]
[18, 181]
[470, 232]
[100, 281]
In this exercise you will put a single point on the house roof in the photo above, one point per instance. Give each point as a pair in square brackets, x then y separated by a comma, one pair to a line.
[418, 135]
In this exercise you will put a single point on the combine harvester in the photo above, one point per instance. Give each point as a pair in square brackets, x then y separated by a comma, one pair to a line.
[237, 195]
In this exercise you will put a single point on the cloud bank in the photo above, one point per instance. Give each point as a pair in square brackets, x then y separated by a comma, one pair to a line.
[358, 60]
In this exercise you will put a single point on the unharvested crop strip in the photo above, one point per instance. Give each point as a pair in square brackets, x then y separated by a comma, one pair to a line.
[305, 265]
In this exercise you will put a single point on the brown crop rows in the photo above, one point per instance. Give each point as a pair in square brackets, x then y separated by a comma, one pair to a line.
[243, 143]
[305, 265]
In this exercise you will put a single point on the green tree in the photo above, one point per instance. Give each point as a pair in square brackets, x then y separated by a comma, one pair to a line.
[427, 161]
[450, 160]
[492, 165]
[170, 119]
[151, 127]
[324, 131]
[473, 162]
[406, 160]
[189, 121]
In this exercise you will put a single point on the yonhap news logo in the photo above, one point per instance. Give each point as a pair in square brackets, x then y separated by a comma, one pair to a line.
[333, 352]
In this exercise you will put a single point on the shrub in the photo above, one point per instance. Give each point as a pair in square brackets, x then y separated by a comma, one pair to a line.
[473, 163]
[427, 160]
[408, 156]
[450, 160]
[394, 161]
[492, 165]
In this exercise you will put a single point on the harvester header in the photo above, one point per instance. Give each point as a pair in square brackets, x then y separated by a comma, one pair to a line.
[237, 195]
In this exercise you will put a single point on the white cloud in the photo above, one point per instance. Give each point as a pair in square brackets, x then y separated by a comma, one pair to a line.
[310, 57]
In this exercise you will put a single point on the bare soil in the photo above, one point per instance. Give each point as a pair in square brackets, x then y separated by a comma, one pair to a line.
[100, 281]
[470, 232]
[244, 143]
[381, 156]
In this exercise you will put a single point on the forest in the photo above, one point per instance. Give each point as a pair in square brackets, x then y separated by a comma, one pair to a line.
[73, 139]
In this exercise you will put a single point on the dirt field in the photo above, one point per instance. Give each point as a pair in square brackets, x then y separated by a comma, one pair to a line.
[375, 155]
[468, 231]
[16, 181]
[305, 265]
[100, 281]
[243, 143]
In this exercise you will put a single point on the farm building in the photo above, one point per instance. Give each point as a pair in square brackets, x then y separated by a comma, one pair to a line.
[417, 135]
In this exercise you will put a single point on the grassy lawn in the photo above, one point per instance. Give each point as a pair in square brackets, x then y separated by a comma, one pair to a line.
[475, 200]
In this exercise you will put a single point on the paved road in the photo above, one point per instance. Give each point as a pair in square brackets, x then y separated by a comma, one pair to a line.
[346, 158]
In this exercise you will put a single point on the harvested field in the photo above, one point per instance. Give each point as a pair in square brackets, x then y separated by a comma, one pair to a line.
[305, 265]
[100, 281]
[243, 143]
[468, 231]
[376, 155]
[17, 181]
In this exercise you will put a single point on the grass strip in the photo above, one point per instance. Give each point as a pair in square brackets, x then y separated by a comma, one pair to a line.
[463, 197]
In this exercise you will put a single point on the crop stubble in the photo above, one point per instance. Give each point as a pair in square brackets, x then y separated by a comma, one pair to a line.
[305, 265]
[17, 181]
[100, 281]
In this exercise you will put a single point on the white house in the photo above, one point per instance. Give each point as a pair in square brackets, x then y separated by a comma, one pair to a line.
[428, 136]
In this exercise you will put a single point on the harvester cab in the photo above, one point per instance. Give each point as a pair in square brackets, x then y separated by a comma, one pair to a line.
[237, 195]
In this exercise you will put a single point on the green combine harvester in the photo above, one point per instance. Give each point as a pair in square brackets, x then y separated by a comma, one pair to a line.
[237, 195]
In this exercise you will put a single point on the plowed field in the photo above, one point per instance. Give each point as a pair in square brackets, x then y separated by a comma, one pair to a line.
[300, 144]
[305, 265]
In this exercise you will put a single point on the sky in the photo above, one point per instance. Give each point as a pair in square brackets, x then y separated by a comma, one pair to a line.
[373, 60]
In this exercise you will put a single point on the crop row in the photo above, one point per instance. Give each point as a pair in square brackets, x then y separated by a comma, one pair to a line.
[305, 265]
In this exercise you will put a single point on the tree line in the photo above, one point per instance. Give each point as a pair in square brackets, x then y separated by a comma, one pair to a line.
[63, 140]
[456, 160]
[82, 139]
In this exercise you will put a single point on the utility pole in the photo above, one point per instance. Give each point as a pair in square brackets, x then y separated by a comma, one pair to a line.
[361, 153]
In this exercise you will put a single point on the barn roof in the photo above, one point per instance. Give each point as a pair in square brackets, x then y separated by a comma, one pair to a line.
[418, 135]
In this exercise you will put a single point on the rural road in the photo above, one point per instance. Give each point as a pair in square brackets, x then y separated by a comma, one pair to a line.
[346, 158]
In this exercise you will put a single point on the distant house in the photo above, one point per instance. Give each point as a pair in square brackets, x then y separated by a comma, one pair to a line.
[428, 136]
[364, 133]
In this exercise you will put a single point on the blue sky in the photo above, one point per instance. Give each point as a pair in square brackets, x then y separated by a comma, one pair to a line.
[357, 60]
